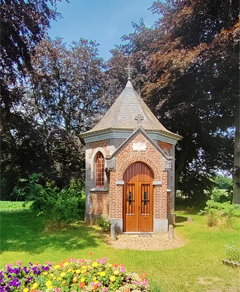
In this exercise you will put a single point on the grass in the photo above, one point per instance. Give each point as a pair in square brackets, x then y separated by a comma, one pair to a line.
[196, 266]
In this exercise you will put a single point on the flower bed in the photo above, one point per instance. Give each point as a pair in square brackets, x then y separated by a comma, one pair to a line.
[71, 276]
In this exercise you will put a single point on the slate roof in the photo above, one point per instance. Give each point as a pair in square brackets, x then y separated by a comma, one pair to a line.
[123, 112]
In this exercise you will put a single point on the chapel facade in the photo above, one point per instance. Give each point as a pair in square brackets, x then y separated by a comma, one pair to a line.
[130, 166]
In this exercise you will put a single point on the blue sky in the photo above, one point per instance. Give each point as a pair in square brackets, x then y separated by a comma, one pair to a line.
[104, 21]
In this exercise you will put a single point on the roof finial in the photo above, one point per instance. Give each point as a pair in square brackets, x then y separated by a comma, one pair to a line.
[129, 70]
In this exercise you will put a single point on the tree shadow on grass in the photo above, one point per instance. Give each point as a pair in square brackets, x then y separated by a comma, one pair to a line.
[23, 231]
[180, 219]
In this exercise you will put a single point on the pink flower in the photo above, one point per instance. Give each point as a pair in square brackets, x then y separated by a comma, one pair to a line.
[9, 265]
[104, 259]
[104, 289]
[99, 284]
[58, 289]
[92, 283]
[137, 283]
[19, 263]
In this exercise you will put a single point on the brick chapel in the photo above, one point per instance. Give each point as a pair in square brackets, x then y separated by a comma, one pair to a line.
[130, 167]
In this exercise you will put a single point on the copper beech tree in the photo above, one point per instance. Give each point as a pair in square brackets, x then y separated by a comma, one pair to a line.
[191, 82]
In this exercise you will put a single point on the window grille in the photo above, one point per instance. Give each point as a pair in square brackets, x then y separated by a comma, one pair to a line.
[99, 170]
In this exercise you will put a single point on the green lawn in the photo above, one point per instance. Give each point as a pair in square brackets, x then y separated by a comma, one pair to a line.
[195, 267]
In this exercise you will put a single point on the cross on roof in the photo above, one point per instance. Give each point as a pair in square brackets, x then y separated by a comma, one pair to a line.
[129, 69]
[139, 118]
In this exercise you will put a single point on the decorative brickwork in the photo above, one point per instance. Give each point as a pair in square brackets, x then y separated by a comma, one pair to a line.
[154, 160]
[99, 144]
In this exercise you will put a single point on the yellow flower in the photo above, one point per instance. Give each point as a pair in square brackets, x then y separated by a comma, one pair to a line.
[35, 286]
[48, 283]
[57, 267]
[66, 264]
[25, 290]
[83, 280]
[116, 272]
[95, 264]
[112, 278]
[64, 282]
[110, 265]
[85, 274]
[95, 282]
[84, 268]
[94, 278]
[59, 279]
[54, 278]
[78, 271]
[102, 274]
[45, 273]
[51, 276]
[62, 274]
[70, 270]
[75, 279]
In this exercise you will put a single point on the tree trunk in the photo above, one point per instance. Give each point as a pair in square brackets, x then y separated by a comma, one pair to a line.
[236, 164]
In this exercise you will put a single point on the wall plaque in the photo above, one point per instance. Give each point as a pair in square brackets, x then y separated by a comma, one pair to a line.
[139, 146]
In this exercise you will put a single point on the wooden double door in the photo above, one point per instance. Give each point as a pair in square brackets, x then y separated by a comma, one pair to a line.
[138, 198]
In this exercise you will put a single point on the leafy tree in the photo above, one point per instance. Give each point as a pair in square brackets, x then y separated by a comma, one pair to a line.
[192, 73]
[23, 25]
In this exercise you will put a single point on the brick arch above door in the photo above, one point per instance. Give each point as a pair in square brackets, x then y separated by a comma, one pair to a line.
[155, 167]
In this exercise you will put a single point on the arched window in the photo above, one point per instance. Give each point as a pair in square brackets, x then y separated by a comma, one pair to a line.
[99, 170]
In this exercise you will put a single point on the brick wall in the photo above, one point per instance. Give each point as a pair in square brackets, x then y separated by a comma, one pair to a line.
[99, 203]
[102, 144]
[99, 200]
[164, 145]
[154, 160]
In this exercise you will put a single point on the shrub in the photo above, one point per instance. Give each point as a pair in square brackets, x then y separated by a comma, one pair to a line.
[221, 213]
[60, 207]
[72, 276]
[103, 223]
[233, 252]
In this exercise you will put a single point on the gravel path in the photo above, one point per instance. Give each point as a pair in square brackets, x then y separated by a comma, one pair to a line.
[145, 241]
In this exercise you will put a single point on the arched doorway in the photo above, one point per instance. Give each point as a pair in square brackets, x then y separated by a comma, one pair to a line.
[138, 198]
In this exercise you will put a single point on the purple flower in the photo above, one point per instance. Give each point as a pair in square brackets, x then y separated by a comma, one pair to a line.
[26, 270]
[36, 271]
[28, 280]
[15, 283]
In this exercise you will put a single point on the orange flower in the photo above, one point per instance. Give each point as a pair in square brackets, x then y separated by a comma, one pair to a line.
[63, 262]
[115, 265]
[145, 275]
[126, 290]
[36, 264]
[81, 284]
[68, 259]
[90, 253]
[95, 287]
